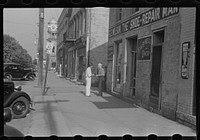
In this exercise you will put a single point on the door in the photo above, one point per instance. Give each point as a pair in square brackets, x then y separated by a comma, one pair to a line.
[80, 68]
[118, 66]
[15, 71]
[156, 75]
[133, 73]
[132, 45]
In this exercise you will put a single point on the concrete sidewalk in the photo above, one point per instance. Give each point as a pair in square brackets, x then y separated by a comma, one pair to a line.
[66, 111]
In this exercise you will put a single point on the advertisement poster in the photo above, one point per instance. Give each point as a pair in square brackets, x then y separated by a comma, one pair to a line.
[144, 48]
[185, 60]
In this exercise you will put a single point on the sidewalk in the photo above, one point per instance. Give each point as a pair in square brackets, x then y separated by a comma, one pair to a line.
[66, 111]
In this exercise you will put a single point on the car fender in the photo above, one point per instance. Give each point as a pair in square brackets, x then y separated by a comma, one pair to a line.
[10, 131]
[30, 73]
[16, 95]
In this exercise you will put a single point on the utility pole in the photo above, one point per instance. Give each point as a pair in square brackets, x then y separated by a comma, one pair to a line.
[40, 47]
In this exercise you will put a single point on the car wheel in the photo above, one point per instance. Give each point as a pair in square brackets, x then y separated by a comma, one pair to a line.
[8, 76]
[31, 77]
[20, 107]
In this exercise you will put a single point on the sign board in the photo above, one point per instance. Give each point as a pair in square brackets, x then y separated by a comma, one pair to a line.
[49, 47]
[144, 48]
[185, 60]
[150, 16]
[110, 52]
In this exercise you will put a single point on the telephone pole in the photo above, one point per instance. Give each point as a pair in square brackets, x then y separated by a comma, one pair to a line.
[40, 47]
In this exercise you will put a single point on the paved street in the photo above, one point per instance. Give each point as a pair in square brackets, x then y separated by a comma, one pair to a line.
[66, 111]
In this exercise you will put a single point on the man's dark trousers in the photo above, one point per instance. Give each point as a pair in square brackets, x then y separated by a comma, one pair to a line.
[101, 80]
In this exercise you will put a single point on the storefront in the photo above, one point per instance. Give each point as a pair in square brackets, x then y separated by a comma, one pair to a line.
[71, 62]
[145, 60]
[81, 58]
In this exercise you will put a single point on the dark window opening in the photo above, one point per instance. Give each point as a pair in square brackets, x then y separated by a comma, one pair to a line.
[118, 14]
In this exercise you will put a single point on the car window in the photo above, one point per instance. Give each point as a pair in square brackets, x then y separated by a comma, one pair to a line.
[14, 67]
[20, 67]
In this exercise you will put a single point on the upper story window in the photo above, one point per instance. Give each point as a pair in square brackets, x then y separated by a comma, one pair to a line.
[133, 10]
[118, 14]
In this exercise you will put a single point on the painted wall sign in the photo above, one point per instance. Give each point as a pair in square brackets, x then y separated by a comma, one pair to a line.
[110, 52]
[185, 60]
[144, 48]
[145, 18]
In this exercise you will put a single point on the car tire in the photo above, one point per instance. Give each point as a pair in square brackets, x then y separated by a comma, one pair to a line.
[20, 107]
[31, 77]
[8, 76]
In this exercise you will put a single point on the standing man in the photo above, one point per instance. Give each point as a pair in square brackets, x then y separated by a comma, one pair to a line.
[88, 75]
[100, 74]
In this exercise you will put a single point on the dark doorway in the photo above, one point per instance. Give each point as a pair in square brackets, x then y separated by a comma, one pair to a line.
[80, 68]
[156, 73]
[156, 63]
[132, 44]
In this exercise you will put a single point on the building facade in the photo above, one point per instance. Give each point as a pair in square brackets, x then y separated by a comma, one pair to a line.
[86, 39]
[51, 43]
[151, 59]
[61, 44]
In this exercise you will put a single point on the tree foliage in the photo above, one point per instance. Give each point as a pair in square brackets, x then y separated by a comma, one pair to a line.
[14, 52]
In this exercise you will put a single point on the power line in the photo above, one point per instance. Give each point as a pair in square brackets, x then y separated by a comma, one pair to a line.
[22, 23]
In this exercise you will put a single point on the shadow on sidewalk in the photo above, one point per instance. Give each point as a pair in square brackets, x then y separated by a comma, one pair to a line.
[110, 102]
[56, 101]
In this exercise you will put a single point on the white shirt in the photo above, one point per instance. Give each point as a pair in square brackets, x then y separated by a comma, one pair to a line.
[88, 72]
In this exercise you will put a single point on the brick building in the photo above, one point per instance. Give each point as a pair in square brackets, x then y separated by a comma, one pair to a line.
[61, 41]
[86, 40]
[151, 59]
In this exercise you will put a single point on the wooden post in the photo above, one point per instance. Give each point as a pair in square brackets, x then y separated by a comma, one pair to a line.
[46, 72]
[40, 47]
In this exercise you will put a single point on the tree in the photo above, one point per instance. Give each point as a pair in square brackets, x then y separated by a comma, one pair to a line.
[14, 52]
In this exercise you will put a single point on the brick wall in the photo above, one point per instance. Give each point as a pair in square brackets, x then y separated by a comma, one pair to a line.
[185, 97]
[98, 38]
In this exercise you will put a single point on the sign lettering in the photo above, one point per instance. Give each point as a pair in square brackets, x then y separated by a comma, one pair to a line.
[145, 18]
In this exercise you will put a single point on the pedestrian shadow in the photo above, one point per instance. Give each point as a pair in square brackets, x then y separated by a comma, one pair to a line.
[110, 101]
[113, 102]
[56, 101]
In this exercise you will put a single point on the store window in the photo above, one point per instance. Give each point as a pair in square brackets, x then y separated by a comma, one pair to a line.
[118, 63]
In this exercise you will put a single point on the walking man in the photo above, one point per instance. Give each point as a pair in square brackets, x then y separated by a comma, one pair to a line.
[100, 74]
[88, 75]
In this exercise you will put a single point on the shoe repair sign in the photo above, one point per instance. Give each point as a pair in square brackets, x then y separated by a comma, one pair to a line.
[145, 18]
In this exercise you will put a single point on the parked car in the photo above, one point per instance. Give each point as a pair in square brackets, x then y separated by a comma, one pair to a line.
[14, 70]
[19, 101]
[10, 131]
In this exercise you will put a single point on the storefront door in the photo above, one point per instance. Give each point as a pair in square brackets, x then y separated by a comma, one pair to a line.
[156, 75]
[132, 45]
[80, 68]
[118, 66]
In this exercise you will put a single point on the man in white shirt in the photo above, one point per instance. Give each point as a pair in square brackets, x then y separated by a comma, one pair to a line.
[88, 75]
